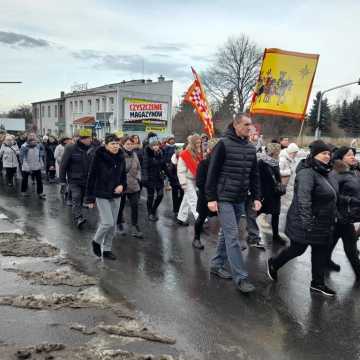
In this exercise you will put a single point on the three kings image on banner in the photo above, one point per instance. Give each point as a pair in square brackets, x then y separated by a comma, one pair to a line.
[284, 83]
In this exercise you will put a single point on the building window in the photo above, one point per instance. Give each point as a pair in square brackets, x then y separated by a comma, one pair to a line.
[89, 106]
[76, 106]
[61, 111]
[49, 111]
[81, 106]
[111, 104]
[103, 104]
[97, 105]
[56, 111]
[43, 111]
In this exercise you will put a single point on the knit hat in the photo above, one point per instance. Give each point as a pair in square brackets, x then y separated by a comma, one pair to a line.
[153, 140]
[111, 138]
[292, 148]
[342, 151]
[273, 147]
[317, 147]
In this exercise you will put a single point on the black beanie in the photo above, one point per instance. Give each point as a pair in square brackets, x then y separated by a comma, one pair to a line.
[342, 151]
[318, 146]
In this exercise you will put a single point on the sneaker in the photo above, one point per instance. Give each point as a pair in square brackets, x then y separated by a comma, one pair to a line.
[68, 203]
[322, 289]
[25, 194]
[245, 286]
[109, 255]
[278, 239]
[135, 232]
[121, 229]
[80, 222]
[221, 273]
[271, 271]
[258, 243]
[332, 266]
[96, 248]
[197, 244]
[182, 223]
[153, 218]
[42, 196]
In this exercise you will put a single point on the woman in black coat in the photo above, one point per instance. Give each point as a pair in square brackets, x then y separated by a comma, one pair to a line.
[153, 171]
[346, 174]
[311, 217]
[50, 147]
[202, 207]
[105, 185]
[270, 178]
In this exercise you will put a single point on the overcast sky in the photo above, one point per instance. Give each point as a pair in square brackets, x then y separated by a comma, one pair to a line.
[50, 45]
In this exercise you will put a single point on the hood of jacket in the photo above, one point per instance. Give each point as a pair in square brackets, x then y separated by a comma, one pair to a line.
[231, 134]
[309, 162]
[106, 156]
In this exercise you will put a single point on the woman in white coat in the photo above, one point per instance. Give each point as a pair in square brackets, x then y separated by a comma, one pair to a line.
[9, 153]
[186, 170]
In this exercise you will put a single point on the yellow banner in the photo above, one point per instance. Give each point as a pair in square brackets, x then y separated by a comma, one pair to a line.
[155, 129]
[284, 84]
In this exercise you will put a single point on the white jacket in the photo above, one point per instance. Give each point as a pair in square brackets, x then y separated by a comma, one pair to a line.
[9, 155]
[183, 173]
[286, 164]
[58, 153]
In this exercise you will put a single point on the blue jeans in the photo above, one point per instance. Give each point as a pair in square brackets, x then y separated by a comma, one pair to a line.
[228, 247]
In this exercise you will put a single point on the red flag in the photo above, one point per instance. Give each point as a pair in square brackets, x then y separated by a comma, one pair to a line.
[197, 98]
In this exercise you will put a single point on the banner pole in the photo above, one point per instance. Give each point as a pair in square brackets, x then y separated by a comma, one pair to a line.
[300, 136]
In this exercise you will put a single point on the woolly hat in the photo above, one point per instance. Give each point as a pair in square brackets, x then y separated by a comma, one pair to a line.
[342, 151]
[153, 140]
[317, 147]
[292, 148]
[272, 147]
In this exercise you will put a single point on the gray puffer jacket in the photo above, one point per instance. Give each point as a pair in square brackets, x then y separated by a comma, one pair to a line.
[9, 155]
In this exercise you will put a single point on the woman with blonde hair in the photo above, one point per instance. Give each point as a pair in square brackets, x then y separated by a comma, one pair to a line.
[189, 160]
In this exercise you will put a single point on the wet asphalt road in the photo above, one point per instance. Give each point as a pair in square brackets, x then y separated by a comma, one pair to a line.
[169, 283]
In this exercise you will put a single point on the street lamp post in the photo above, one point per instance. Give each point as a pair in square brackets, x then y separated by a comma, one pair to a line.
[317, 130]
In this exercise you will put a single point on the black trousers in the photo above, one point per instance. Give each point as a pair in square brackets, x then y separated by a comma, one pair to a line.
[348, 235]
[152, 202]
[134, 203]
[177, 196]
[319, 257]
[199, 223]
[10, 172]
[38, 178]
[275, 224]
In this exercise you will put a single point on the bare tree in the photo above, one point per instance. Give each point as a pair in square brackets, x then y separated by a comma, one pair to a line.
[235, 68]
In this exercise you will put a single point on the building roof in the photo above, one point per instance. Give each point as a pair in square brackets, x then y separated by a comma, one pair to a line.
[51, 100]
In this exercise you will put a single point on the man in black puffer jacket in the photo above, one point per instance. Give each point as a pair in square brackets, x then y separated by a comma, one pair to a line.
[74, 169]
[232, 173]
[106, 183]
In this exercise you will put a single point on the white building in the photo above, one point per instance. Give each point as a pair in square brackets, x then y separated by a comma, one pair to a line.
[137, 106]
[49, 116]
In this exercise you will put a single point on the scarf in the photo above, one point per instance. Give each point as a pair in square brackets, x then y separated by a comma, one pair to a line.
[190, 162]
[269, 160]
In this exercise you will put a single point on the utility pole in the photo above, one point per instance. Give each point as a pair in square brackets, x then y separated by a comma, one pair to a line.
[317, 130]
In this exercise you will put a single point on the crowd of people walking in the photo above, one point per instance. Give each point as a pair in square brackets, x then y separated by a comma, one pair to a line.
[230, 177]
